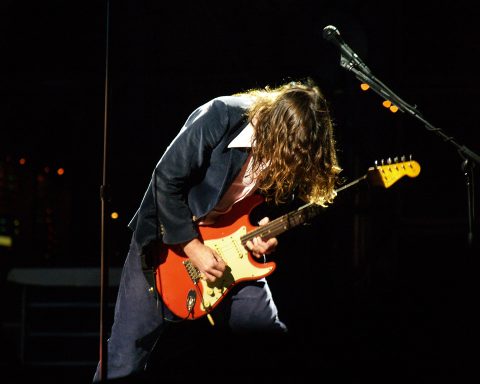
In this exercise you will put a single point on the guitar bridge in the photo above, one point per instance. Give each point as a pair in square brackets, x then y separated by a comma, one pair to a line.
[192, 271]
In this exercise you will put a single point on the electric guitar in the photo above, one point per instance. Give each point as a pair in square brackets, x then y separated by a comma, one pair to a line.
[190, 297]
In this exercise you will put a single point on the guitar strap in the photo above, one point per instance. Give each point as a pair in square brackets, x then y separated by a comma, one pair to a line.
[148, 269]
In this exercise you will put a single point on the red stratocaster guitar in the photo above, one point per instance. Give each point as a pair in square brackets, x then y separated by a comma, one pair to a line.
[190, 297]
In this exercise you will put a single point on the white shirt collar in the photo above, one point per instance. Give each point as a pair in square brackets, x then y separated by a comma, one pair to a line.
[244, 138]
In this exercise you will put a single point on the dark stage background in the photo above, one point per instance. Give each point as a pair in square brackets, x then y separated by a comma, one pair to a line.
[380, 285]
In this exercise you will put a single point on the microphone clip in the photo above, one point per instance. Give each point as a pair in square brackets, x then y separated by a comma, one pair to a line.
[351, 61]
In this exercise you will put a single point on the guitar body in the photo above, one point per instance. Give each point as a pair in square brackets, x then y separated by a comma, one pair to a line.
[178, 282]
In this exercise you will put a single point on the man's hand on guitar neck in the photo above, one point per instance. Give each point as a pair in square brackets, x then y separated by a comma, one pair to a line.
[259, 247]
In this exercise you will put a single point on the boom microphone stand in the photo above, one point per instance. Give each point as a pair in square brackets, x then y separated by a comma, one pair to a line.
[350, 61]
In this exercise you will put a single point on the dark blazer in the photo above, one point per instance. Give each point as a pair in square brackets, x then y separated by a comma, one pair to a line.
[193, 173]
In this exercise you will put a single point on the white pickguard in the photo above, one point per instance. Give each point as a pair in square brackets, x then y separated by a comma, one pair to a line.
[239, 267]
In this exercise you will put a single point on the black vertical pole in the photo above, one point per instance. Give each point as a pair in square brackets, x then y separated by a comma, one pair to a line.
[104, 197]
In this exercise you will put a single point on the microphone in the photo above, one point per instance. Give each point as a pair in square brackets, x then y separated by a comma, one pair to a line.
[349, 58]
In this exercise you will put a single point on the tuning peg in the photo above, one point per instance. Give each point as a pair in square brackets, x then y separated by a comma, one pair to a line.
[382, 162]
[389, 161]
[403, 158]
[395, 161]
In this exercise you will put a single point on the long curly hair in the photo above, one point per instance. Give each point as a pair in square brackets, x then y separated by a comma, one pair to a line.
[293, 147]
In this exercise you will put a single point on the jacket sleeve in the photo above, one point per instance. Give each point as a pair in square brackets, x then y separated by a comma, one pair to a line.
[182, 165]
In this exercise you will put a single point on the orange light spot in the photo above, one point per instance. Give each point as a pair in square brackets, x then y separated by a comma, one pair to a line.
[387, 103]
[22, 161]
[364, 86]
[60, 171]
[114, 215]
[394, 108]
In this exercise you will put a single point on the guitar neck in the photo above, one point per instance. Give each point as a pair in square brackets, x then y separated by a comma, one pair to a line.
[292, 219]
[384, 175]
[284, 223]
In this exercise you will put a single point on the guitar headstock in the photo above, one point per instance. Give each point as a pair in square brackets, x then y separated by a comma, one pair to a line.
[390, 171]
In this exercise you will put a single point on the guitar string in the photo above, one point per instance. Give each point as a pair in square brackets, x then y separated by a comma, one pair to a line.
[285, 222]
[288, 221]
[280, 224]
[277, 226]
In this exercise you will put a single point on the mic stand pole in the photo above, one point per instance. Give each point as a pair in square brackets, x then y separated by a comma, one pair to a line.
[105, 198]
[468, 155]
